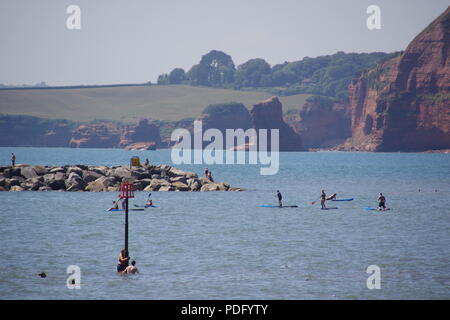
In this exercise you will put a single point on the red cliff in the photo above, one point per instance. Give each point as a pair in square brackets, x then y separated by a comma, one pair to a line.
[403, 103]
[268, 114]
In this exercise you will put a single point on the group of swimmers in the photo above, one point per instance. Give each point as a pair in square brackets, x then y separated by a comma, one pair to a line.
[123, 266]
[323, 198]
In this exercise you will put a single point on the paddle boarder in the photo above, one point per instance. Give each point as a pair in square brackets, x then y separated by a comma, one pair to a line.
[115, 206]
[149, 201]
[381, 202]
[123, 260]
[323, 198]
[280, 198]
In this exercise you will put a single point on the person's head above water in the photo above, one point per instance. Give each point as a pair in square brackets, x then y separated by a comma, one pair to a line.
[133, 263]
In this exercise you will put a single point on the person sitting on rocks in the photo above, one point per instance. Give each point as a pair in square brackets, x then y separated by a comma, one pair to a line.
[146, 163]
[210, 176]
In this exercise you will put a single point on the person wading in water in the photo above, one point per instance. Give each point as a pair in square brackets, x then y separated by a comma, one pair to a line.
[123, 260]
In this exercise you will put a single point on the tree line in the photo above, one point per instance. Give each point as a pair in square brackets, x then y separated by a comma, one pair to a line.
[327, 75]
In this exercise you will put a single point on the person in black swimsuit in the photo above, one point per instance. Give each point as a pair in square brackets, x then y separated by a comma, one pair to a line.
[123, 260]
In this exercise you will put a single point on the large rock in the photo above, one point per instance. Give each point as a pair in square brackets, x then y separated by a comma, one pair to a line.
[28, 172]
[268, 115]
[101, 184]
[74, 182]
[215, 187]
[403, 103]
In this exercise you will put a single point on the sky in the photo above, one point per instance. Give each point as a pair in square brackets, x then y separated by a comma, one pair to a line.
[134, 41]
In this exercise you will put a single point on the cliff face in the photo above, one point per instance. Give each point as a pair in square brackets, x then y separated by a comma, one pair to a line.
[144, 132]
[225, 116]
[96, 135]
[26, 131]
[322, 122]
[403, 103]
[268, 114]
[144, 135]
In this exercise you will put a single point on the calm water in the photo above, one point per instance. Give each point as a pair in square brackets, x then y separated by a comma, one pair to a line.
[222, 246]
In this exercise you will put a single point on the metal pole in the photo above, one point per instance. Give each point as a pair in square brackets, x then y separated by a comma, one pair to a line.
[126, 224]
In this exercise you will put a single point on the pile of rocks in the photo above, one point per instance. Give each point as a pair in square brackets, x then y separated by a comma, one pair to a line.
[102, 178]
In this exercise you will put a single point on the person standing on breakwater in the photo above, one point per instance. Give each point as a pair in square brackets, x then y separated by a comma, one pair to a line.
[381, 202]
[13, 159]
[323, 198]
[206, 173]
[123, 260]
[280, 198]
[146, 163]
[210, 176]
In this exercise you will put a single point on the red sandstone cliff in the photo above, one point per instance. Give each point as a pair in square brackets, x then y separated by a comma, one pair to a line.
[403, 104]
[322, 122]
[268, 114]
[144, 135]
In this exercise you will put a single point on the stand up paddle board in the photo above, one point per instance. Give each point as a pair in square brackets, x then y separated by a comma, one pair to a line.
[270, 206]
[152, 206]
[329, 208]
[349, 199]
[116, 210]
[376, 209]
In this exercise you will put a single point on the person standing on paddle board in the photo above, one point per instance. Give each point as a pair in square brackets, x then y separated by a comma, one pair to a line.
[323, 198]
[381, 202]
[280, 197]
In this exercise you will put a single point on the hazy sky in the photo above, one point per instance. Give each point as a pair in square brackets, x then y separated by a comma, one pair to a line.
[134, 41]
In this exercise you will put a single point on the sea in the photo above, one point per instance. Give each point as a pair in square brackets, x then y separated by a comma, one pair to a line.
[223, 245]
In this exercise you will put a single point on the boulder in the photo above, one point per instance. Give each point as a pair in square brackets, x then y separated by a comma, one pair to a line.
[57, 169]
[16, 188]
[101, 184]
[121, 173]
[89, 176]
[215, 187]
[180, 186]
[166, 188]
[75, 182]
[28, 172]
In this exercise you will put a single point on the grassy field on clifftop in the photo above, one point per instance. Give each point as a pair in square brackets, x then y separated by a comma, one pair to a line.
[128, 103]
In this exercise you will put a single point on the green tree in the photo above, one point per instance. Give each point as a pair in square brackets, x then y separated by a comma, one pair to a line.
[216, 69]
[253, 73]
[177, 76]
